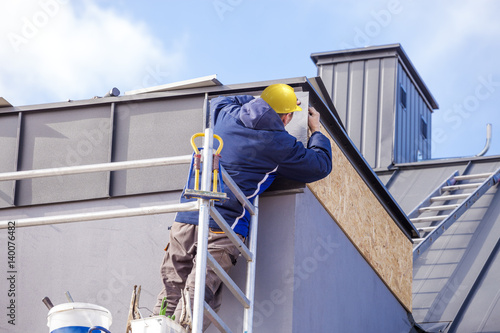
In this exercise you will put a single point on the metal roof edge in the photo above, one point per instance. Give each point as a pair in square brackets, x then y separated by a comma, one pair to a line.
[4, 103]
[384, 48]
[212, 90]
[442, 162]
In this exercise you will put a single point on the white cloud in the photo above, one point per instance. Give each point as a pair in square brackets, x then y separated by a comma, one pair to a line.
[52, 51]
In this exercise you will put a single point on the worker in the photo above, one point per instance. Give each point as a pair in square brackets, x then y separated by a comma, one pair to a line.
[257, 148]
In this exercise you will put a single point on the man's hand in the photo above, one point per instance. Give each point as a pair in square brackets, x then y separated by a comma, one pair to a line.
[313, 120]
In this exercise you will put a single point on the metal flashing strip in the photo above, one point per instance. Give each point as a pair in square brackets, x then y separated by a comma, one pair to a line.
[443, 162]
[4, 103]
[242, 88]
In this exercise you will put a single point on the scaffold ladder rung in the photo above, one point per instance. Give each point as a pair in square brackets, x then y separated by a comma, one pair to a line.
[460, 187]
[432, 232]
[439, 208]
[449, 197]
[428, 218]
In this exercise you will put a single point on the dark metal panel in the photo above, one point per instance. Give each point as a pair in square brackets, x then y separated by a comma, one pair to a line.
[9, 130]
[398, 121]
[410, 144]
[54, 139]
[151, 129]
[428, 144]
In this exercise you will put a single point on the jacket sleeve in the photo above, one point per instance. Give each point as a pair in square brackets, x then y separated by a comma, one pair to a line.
[308, 164]
[228, 104]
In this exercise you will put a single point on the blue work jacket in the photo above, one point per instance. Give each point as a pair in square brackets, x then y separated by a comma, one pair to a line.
[256, 149]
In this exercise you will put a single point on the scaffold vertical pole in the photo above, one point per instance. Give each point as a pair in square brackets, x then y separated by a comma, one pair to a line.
[251, 267]
[204, 215]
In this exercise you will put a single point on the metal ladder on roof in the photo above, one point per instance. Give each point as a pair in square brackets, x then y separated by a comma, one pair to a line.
[429, 216]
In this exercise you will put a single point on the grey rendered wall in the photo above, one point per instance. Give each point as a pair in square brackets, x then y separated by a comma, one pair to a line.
[329, 268]
[310, 278]
[98, 262]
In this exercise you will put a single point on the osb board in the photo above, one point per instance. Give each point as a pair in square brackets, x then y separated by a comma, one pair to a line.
[367, 224]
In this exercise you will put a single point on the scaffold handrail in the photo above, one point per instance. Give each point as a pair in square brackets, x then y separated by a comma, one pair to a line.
[92, 216]
[88, 168]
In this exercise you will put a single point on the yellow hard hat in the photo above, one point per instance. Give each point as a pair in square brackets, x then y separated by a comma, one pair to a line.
[281, 98]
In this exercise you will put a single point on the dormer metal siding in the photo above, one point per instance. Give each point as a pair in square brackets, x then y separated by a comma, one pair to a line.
[382, 101]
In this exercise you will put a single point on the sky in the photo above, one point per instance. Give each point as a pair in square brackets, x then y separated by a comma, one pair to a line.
[55, 50]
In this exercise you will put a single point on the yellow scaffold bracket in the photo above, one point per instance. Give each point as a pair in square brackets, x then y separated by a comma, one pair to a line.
[215, 194]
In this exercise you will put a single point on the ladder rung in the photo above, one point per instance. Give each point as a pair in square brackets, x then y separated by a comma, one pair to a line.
[476, 176]
[238, 294]
[417, 240]
[215, 319]
[439, 208]
[450, 197]
[426, 229]
[429, 218]
[460, 187]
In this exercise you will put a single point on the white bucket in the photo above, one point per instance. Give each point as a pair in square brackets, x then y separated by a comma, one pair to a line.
[77, 318]
[156, 324]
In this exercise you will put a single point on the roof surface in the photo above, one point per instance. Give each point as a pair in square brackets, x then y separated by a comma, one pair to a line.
[455, 286]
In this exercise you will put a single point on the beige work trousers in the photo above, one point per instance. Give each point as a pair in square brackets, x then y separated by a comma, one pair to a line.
[178, 269]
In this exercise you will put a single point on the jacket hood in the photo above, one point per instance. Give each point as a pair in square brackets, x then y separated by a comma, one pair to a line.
[257, 114]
